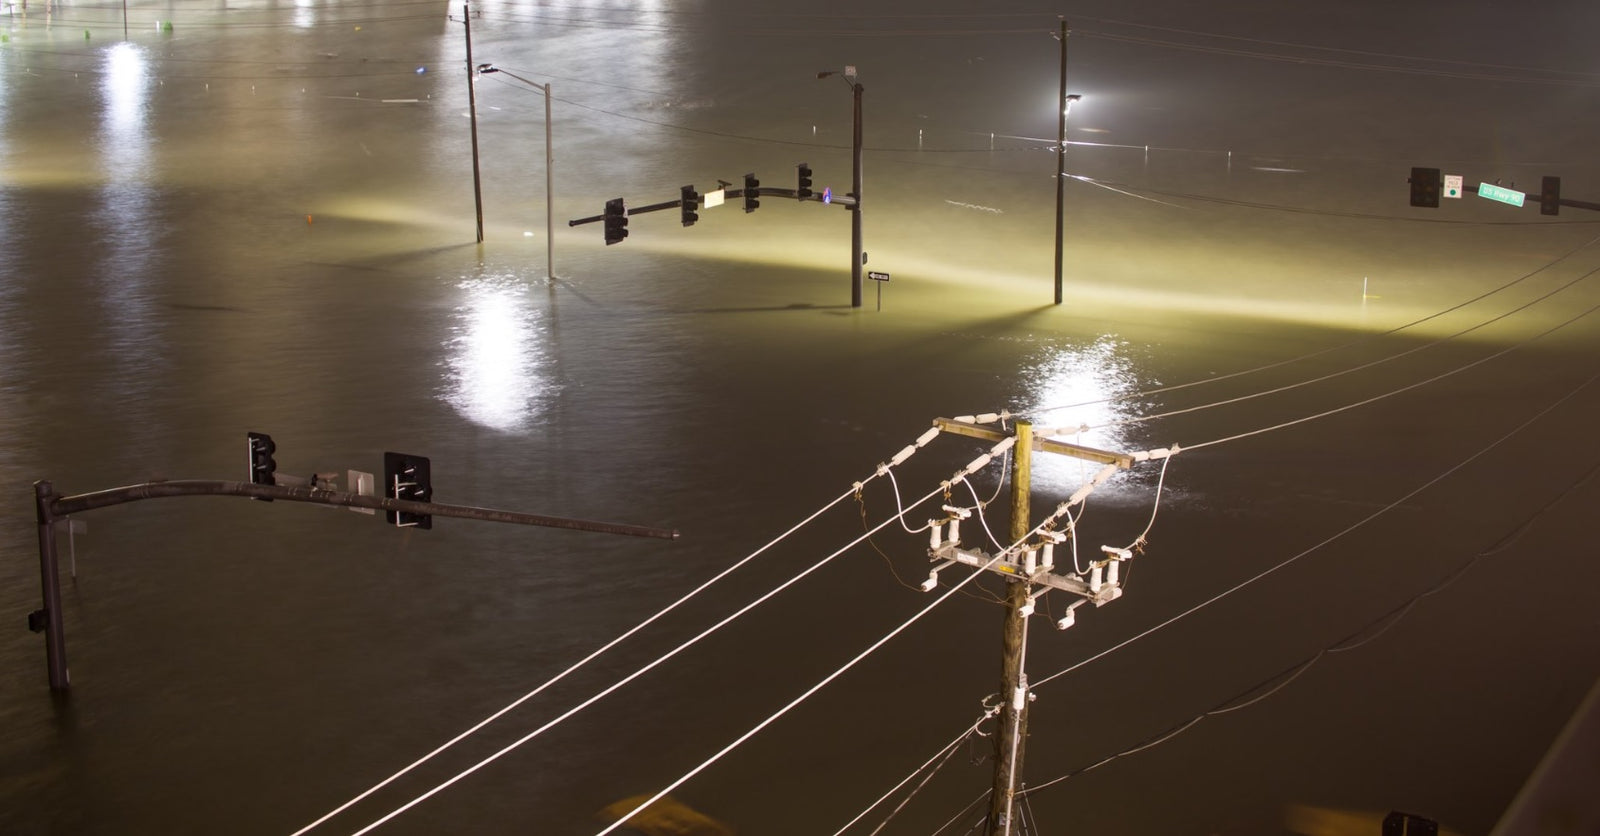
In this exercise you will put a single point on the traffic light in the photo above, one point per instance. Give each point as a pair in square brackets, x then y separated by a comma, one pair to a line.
[262, 465]
[407, 477]
[804, 191]
[691, 201]
[752, 189]
[1425, 187]
[1550, 196]
[616, 221]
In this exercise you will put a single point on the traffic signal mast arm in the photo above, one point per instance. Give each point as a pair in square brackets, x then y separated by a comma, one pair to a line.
[1426, 191]
[732, 194]
[63, 506]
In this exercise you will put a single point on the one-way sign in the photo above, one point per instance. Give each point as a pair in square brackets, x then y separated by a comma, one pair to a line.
[878, 277]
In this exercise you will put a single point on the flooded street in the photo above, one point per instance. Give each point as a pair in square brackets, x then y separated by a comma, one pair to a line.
[259, 216]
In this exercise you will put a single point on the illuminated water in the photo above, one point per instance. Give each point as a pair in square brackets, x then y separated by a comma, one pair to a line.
[262, 220]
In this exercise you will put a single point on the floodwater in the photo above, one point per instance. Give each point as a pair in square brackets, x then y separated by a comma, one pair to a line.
[261, 219]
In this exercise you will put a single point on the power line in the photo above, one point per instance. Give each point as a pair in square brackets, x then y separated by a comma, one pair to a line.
[1320, 352]
[1341, 533]
[1294, 671]
[629, 678]
[1352, 369]
[623, 819]
[905, 454]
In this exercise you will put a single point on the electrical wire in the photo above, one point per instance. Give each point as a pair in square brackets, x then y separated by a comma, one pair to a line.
[949, 748]
[1293, 672]
[1330, 539]
[623, 819]
[963, 811]
[1352, 369]
[854, 490]
[976, 464]
[1393, 392]
[1320, 352]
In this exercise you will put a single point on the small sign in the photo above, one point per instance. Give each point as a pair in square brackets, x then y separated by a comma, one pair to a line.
[878, 277]
[1452, 185]
[714, 198]
[827, 194]
[1515, 198]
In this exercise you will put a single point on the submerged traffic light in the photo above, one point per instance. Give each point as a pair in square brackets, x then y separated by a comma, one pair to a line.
[1550, 196]
[262, 465]
[752, 189]
[408, 477]
[691, 201]
[1425, 187]
[804, 190]
[616, 221]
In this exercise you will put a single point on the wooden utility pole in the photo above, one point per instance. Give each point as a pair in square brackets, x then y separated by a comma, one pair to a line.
[1025, 567]
[1014, 646]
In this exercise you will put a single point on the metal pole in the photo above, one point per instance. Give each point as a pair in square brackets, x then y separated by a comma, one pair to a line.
[549, 194]
[472, 108]
[855, 211]
[1013, 645]
[1061, 156]
[55, 639]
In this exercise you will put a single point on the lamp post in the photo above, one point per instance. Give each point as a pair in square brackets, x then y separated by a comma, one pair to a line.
[857, 257]
[549, 169]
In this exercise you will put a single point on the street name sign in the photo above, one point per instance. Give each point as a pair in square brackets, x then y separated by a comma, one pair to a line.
[1515, 198]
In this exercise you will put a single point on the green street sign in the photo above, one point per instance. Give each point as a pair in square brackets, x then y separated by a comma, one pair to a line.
[1514, 198]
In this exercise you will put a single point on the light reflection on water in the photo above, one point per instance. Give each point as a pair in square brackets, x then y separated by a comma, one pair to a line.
[127, 207]
[1080, 394]
[497, 376]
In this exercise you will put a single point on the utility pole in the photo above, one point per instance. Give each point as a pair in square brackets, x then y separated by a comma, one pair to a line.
[1061, 156]
[472, 109]
[1028, 570]
[1014, 649]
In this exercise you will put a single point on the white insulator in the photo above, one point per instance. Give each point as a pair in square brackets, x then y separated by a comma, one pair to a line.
[1096, 572]
[1005, 444]
[930, 583]
[1067, 620]
[935, 534]
[988, 418]
[902, 455]
[964, 419]
[1019, 698]
[1025, 610]
[1111, 572]
[1047, 560]
[955, 531]
[978, 463]
[922, 440]
[1029, 562]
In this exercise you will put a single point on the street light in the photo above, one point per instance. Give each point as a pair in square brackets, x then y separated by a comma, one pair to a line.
[857, 257]
[549, 187]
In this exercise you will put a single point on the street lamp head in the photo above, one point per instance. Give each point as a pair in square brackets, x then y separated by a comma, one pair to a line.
[1070, 99]
[487, 68]
[848, 73]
